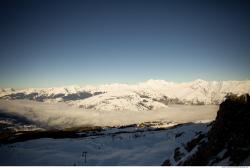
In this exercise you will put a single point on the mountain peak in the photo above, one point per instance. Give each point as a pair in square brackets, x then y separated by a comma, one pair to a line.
[199, 80]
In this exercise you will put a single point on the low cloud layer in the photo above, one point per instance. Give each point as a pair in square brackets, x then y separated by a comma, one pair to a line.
[61, 115]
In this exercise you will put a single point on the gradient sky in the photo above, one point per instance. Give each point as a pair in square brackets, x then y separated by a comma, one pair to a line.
[54, 42]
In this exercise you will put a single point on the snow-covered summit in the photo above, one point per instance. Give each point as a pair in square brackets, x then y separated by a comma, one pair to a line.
[148, 95]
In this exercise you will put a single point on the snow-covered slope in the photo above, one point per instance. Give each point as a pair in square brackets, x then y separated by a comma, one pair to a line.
[149, 95]
[113, 147]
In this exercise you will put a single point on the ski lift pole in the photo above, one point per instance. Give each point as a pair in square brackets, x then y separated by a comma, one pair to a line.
[84, 154]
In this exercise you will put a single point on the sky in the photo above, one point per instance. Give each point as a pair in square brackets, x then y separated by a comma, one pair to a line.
[45, 43]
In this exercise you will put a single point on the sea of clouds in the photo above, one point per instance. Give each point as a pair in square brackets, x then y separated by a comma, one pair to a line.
[61, 115]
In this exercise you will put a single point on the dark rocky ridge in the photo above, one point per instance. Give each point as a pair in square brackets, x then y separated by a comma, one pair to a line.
[41, 97]
[229, 133]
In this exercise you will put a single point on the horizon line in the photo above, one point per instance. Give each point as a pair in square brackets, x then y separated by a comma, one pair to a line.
[124, 83]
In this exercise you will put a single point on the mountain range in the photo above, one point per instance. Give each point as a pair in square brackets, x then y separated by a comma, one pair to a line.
[149, 95]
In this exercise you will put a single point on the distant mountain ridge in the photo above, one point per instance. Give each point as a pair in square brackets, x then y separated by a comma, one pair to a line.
[149, 95]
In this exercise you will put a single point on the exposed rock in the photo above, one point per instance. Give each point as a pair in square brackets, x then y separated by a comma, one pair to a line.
[194, 142]
[229, 133]
[178, 154]
[166, 163]
[179, 134]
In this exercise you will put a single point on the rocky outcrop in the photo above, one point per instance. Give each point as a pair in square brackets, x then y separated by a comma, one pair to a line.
[228, 141]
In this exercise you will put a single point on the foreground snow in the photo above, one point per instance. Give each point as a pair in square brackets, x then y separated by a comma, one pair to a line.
[113, 148]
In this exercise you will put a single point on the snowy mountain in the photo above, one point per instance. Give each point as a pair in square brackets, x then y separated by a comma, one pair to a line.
[149, 95]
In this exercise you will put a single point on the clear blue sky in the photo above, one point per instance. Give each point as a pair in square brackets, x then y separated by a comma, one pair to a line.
[56, 42]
